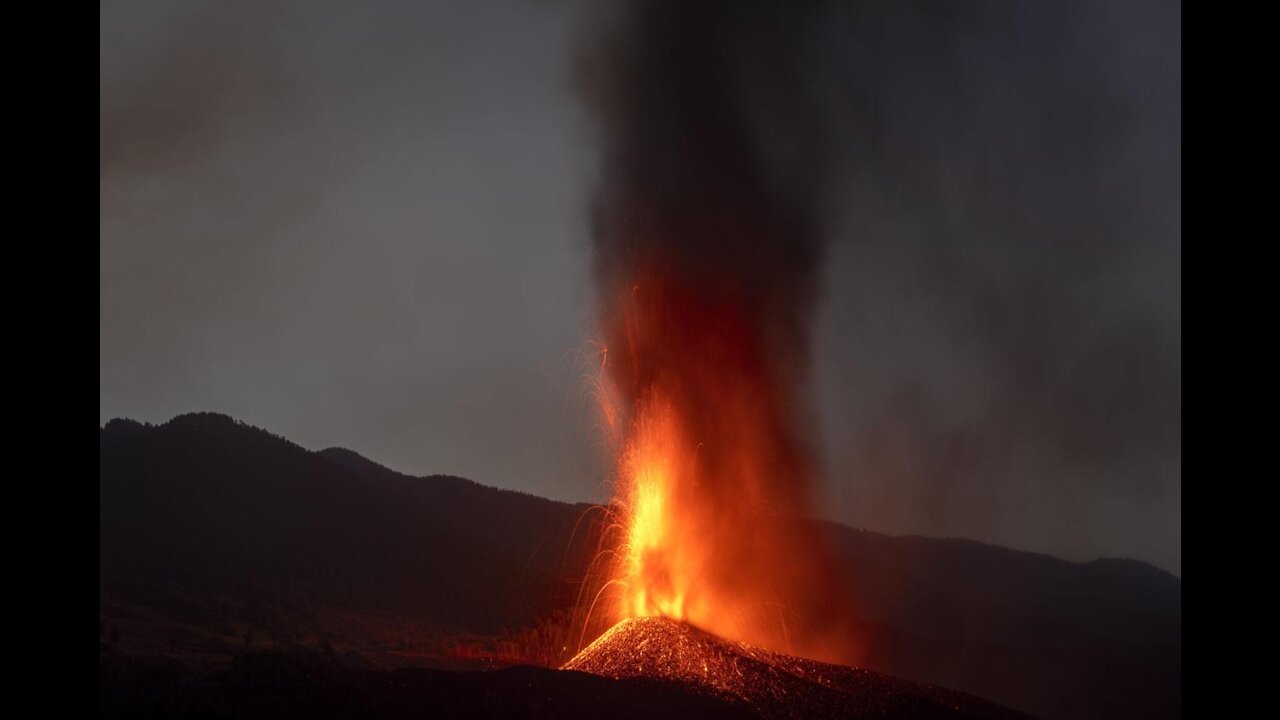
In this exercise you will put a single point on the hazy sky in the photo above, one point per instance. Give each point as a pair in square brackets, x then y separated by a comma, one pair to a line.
[365, 224]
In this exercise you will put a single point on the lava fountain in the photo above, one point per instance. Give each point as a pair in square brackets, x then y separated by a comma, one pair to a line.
[706, 262]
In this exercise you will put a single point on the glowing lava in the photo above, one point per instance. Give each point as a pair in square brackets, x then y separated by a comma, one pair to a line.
[713, 485]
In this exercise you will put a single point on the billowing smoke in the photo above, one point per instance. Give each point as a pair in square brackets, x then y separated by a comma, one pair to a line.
[710, 155]
[1000, 188]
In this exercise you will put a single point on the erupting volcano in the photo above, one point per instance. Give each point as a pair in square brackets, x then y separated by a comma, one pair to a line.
[706, 258]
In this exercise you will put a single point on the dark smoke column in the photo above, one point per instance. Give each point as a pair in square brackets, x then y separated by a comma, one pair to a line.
[707, 259]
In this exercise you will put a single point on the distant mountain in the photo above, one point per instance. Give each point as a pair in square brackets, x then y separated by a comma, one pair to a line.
[206, 507]
[1057, 638]
[218, 538]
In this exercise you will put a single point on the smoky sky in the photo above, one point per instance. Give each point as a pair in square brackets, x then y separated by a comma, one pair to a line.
[371, 226]
[1001, 341]
[351, 225]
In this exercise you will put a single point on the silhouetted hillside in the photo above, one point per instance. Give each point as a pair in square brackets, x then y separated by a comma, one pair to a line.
[203, 506]
[1062, 639]
[218, 538]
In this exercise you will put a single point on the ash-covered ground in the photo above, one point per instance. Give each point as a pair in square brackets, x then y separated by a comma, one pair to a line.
[767, 684]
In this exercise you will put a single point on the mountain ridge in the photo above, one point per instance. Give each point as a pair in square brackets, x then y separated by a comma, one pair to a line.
[217, 536]
[353, 460]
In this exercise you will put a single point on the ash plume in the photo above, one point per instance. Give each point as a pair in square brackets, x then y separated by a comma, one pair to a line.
[711, 153]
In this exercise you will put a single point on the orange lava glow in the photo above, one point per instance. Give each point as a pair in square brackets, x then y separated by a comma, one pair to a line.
[713, 482]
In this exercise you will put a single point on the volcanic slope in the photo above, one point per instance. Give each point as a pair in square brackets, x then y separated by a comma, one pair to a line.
[768, 684]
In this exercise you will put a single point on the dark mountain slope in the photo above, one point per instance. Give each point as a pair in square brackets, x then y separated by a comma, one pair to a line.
[218, 506]
[217, 537]
[1062, 639]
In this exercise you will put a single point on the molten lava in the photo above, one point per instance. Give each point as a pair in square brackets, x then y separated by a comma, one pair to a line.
[713, 483]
